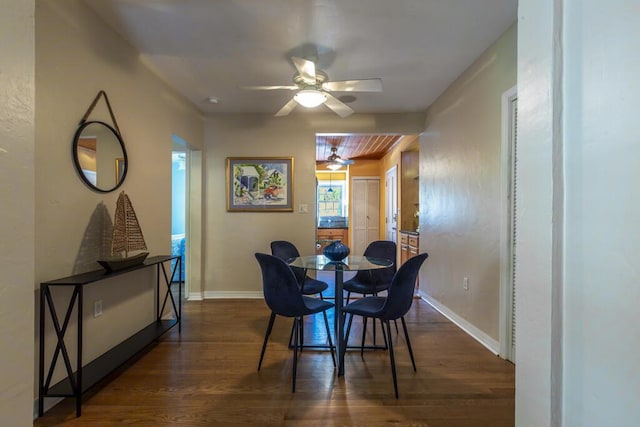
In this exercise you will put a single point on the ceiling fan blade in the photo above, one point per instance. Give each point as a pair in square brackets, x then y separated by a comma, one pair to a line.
[339, 161]
[367, 85]
[335, 159]
[269, 87]
[340, 108]
[343, 161]
[306, 68]
[288, 107]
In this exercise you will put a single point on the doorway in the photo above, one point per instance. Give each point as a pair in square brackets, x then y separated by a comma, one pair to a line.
[178, 209]
[366, 212]
[187, 213]
[391, 204]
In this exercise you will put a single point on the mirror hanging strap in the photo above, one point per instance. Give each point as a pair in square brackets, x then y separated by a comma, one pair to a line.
[93, 104]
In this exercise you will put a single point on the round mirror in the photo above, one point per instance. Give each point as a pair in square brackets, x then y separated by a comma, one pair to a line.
[99, 156]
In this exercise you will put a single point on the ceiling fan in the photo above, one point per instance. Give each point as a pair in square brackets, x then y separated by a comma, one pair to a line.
[335, 162]
[314, 87]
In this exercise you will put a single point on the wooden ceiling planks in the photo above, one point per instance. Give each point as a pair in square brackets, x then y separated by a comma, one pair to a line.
[370, 147]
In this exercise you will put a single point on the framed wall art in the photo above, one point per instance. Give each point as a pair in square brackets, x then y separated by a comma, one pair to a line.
[120, 165]
[260, 184]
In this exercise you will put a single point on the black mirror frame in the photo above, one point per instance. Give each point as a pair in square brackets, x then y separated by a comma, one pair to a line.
[76, 161]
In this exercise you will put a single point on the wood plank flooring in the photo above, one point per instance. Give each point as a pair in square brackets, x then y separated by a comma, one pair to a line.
[207, 376]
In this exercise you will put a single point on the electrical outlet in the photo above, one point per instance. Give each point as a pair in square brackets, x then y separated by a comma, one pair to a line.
[97, 308]
[465, 284]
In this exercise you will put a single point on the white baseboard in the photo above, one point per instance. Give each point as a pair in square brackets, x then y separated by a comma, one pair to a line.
[491, 344]
[195, 296]
[233, 295]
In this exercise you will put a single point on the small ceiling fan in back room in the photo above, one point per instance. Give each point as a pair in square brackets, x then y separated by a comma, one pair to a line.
[314, 88]
[334, 161]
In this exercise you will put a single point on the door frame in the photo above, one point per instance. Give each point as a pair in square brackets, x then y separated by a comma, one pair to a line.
[391, 208]
[195, 250]
[507, 227]
[194, 215]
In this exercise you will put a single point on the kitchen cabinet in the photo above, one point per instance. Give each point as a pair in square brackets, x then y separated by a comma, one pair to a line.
[409, 245]
[327, 235]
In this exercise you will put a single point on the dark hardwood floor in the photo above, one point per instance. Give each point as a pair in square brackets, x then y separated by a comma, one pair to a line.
[207, 376]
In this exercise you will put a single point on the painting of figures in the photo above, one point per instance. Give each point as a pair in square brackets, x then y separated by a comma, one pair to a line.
[260, 184]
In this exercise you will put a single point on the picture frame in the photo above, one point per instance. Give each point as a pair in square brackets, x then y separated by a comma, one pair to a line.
[119, 169]
[259, 184]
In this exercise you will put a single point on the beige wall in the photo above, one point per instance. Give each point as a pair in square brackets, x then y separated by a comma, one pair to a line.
[459, 188]
[365, 168]
[17, 105]
[77, 55]
[233, 237]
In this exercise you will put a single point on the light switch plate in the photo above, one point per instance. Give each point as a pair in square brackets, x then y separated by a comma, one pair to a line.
[97, 308]
[303, 208]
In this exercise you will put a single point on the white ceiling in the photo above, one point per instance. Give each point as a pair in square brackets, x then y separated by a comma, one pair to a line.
[209, 48]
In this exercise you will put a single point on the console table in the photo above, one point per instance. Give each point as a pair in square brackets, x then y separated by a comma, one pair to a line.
[84, 377]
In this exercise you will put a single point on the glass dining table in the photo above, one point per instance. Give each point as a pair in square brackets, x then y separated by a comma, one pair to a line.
[350, 263]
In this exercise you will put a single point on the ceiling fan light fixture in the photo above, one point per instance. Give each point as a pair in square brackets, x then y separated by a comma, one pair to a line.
[310, 98]
[334, 166]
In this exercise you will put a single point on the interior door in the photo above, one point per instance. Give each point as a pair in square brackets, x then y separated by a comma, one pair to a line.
[391, 204]
[365, 221]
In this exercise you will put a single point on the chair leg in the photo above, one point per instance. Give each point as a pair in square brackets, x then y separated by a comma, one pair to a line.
[396, 323]
[384, 335]
[331, 347]
[406, 337]
[393, 360]
[346, 337]
[272, 319]
[291, 336]
[373, 321]
[293, 327]
[296, 336]
[364, 332]
[375, 294]
[301, 332]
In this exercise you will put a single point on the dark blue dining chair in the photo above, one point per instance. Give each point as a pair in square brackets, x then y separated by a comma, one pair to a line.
[371, 282]
[285, 251]
[283, 296]
[392, 307]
